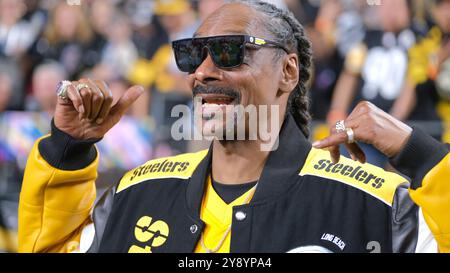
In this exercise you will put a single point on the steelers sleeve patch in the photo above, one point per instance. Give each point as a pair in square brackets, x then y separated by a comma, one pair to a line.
[181, 166]
[366, 177]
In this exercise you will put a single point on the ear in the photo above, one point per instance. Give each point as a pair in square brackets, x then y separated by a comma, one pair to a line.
[290, 73]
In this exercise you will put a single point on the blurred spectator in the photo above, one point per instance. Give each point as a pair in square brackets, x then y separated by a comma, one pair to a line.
[5, 91]
[119, 53]
[425, 96]
[101, 14]
[350, 27]
[160, 74]
[305, 10]
[375, 69]
[67, 39]
[44, 81]
[17, 34]
[11, 84]
[148, 33]
[321, 30]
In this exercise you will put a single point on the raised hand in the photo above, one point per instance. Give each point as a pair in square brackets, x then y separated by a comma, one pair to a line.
[370, 125]
[88, 112]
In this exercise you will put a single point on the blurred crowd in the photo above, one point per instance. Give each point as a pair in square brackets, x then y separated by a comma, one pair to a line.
[394, 53]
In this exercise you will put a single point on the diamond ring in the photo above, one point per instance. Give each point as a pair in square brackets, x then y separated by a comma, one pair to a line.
[340, 126]
[61, 90]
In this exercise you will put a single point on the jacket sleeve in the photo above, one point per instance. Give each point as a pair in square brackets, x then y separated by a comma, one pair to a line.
[58, 193]
[427, 162]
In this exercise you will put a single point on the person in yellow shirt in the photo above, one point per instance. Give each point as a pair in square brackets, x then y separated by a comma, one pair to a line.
[425, 95]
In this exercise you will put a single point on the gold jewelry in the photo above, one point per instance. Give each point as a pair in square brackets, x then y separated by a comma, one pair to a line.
[350, 135]
[208, 250]
[340, 126]
[81, 86]
[61, 90]
[202, 242]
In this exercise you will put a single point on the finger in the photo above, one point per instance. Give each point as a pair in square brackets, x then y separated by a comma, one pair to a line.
[333, 140]
[86, 95]
[96, 100]
[75, 98]
[335, 154]
[107, 101]
[130, 96]
[356, 152]
[332, 143]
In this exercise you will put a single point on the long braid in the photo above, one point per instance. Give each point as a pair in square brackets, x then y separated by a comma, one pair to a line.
[288, 31]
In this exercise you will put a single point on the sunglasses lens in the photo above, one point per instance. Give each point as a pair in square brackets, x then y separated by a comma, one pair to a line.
[188, 55]
[227, 51]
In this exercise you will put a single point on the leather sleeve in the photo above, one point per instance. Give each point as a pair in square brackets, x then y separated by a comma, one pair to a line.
[427, 162]
[404, 222]
[100, 217]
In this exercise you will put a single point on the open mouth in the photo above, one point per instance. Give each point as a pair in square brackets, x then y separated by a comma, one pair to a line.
[215, 104]
[216, 99]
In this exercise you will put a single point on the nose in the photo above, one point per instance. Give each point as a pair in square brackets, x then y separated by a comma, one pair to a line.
[208, 71]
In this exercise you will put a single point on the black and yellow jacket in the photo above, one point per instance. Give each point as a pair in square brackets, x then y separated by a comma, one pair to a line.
[303, 202]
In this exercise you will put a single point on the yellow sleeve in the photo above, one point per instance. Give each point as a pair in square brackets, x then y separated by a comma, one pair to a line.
[434, 199]
[54, 205]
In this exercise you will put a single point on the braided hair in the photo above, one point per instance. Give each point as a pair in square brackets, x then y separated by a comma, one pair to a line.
[286, 30]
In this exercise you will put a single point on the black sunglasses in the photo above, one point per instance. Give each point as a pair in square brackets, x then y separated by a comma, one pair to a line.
[226, 51]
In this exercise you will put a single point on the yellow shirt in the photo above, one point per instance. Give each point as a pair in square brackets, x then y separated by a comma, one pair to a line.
[217, 216]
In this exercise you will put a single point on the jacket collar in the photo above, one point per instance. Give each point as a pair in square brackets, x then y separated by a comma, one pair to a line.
[279, 174]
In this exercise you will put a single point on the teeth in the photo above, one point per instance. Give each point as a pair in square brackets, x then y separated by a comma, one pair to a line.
[213, 105]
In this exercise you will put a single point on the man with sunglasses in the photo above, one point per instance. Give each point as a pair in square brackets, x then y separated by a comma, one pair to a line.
[233, 197]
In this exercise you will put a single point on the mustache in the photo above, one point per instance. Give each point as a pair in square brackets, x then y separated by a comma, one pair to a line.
[227, 91]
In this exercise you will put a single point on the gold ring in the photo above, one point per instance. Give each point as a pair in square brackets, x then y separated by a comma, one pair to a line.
[81, 86]
[350, 135]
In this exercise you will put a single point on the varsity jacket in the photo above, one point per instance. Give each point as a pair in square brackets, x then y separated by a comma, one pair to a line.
[303, 203]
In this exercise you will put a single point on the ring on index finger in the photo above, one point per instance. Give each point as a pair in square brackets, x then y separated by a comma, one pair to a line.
[340, 126]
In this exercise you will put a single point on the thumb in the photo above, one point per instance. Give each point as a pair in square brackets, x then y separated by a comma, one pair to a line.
[127, 99]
